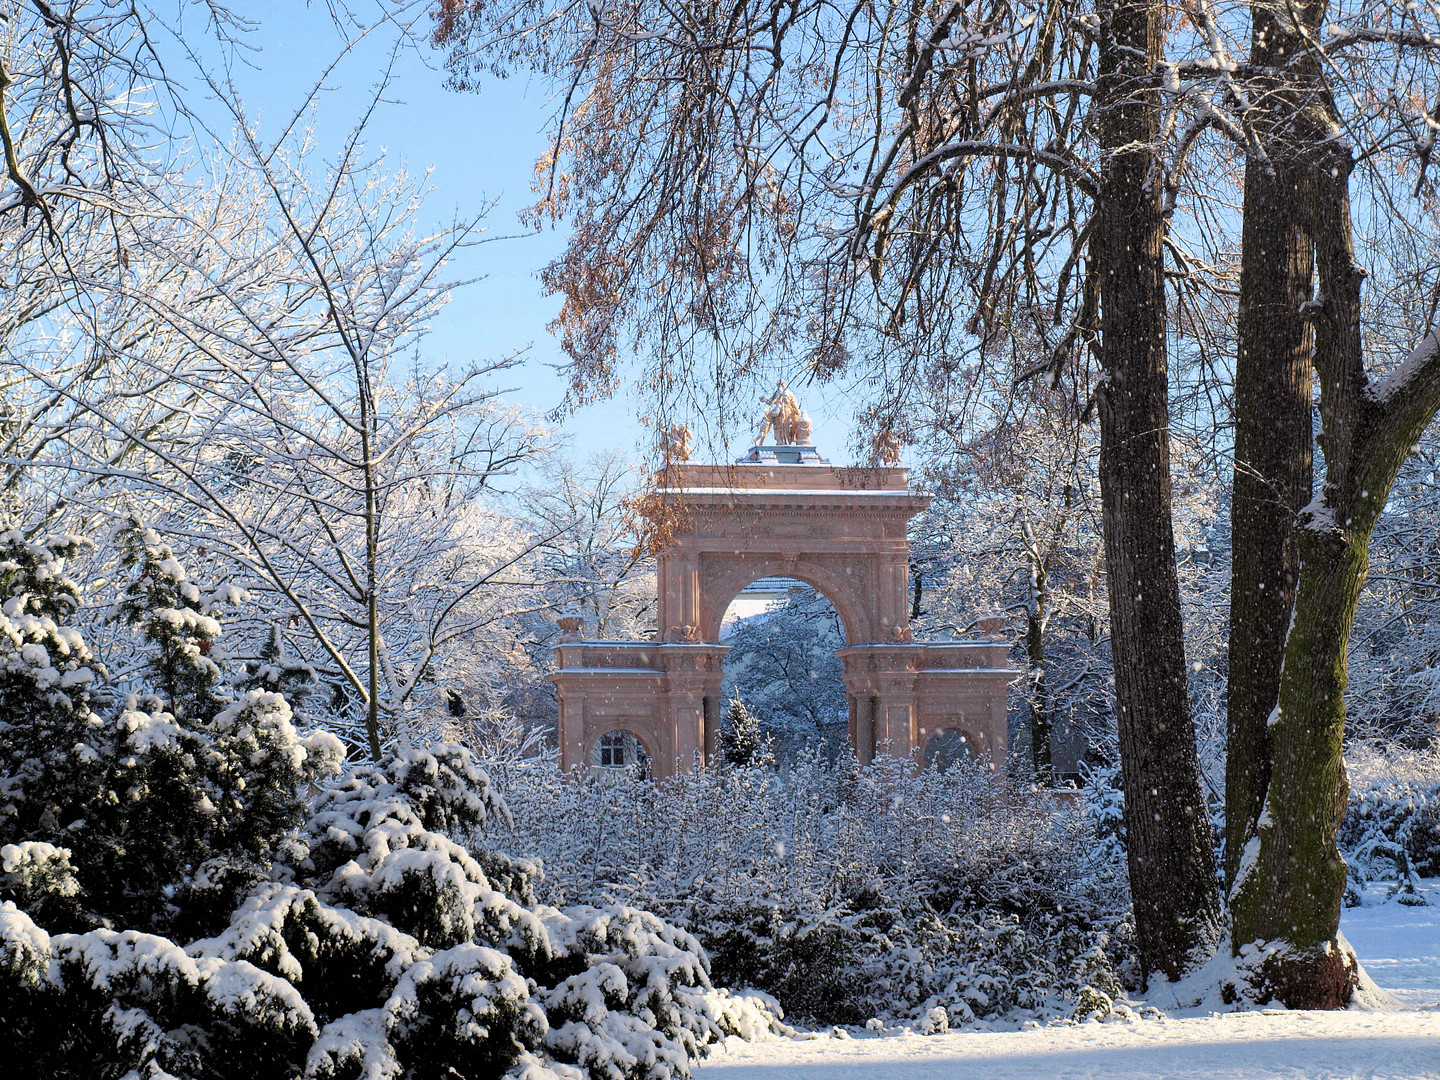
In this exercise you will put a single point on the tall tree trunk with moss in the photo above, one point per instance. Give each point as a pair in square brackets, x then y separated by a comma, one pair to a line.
[1169, 841]
[1273, 391]
[1291, 879]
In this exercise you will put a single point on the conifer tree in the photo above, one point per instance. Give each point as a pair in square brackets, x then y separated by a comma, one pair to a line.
[177, 790]
[741, 740]
[172, 903]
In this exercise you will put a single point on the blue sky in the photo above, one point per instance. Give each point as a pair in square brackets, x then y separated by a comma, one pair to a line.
[478, 147]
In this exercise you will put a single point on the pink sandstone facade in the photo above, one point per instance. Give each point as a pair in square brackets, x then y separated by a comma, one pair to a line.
[781, 513]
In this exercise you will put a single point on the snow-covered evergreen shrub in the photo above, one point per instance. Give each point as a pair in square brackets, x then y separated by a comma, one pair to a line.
[742, 740]
[171, 800]
[293, 679]
[184, 893]
[847, 893]
[1105, 806]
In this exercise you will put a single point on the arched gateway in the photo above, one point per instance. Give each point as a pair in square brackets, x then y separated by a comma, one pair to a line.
[780, 511]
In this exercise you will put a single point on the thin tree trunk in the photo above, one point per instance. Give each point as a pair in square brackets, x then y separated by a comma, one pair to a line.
[1037, 611]
[1168, 835]
[1273, 460]
[1041, 757]
[372, 559]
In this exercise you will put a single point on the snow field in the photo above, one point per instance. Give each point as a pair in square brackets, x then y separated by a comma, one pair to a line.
[1399, 947]
[1242, 1046]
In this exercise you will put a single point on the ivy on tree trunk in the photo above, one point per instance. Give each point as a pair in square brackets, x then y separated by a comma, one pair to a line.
[1291, 879]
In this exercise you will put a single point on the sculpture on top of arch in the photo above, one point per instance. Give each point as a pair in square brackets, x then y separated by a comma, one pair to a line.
[781, 511]
[784, 419]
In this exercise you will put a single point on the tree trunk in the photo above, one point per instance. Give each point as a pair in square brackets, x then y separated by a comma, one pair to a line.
[1291, 879]
[1171, 854]
[372, 557]
[1040, 705]
[1037, 612]
[1273, 460]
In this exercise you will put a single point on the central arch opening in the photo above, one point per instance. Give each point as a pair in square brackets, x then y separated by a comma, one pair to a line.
[781, 673]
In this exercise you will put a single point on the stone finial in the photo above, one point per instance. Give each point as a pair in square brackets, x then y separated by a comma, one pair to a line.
[675, 444]
[570, 624]
[885, 449]
[992, 625]
[803, 429]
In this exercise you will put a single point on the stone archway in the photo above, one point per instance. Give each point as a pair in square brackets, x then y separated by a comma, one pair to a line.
[781, 511]
[844, 531]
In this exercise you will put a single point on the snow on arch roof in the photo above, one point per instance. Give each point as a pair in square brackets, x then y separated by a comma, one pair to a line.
[773, 585]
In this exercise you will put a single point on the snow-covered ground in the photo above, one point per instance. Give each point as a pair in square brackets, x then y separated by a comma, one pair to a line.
[1399, 947]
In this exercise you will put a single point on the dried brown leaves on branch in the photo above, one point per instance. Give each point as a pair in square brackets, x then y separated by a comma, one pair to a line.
[862, 192]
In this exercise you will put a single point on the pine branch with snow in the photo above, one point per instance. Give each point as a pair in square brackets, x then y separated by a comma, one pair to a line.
[185, 892]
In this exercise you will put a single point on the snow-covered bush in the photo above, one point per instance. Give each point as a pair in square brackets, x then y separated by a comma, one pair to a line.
[849, 894]
[1391, 828]
[185, 892]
